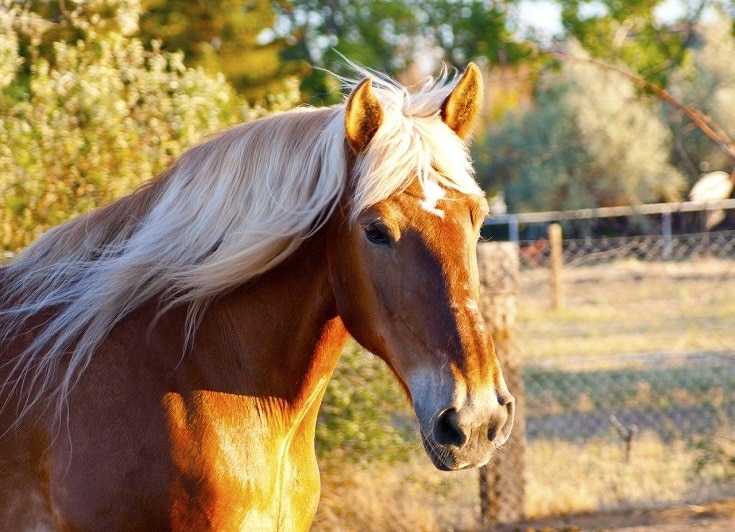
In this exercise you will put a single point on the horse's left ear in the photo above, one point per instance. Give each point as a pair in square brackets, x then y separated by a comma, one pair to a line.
[462, 106]
[363, 116]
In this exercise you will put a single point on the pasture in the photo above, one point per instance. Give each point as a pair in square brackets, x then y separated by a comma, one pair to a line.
[650, 343]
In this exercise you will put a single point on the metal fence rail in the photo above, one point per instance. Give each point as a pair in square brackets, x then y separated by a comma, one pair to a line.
[590, 251]
[664, 210]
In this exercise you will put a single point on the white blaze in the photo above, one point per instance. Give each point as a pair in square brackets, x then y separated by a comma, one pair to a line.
[433, 192]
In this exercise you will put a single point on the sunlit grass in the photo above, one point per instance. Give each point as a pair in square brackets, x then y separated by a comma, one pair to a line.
[404, 496]
[591, 357]
[561, 477]
[565, 477]
[629, 308]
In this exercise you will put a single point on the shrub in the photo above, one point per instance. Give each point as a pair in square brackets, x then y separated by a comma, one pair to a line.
[365, 416]
[98, 118]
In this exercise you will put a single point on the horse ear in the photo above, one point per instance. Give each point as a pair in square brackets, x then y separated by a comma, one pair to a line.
[462, 106]
[363, 116]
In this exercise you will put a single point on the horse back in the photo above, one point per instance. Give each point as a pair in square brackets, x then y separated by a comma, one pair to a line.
[103, 461]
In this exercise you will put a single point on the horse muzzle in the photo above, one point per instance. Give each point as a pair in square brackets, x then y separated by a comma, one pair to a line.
[465, 437]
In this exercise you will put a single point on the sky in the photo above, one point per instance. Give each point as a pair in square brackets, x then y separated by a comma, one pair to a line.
[543, 17]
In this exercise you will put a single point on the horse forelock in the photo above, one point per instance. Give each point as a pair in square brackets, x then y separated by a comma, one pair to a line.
[411, 143]
[227, 210]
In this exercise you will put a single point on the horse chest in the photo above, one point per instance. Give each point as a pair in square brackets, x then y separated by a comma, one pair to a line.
[223, 481]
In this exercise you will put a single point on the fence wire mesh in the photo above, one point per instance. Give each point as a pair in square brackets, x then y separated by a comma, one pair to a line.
[630, 388]
[628, 391]
[591, 251]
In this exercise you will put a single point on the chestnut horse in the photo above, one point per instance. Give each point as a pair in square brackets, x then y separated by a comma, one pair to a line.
[163, 358]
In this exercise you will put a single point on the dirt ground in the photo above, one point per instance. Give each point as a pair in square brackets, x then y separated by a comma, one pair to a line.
[711, 517]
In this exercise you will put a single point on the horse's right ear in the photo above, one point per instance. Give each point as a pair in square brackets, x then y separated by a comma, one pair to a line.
[363, 116]
[461, 108]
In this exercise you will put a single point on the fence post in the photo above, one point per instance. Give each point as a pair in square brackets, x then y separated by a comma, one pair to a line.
[502, 489]
[513, 231]
[666, 232]
[557, 264]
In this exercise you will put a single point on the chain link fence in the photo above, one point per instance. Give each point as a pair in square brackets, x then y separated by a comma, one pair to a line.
[593, 251]
[630, 387]
[628, 391]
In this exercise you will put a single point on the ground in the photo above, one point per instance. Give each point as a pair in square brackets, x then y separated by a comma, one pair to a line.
[711, 517]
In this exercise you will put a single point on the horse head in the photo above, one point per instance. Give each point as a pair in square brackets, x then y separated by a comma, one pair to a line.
[406, 277]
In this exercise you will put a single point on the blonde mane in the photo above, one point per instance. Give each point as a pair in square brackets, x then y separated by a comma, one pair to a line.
[228, 210]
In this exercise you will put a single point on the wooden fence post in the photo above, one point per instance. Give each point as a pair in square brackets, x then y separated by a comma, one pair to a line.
[557, 265]
[502, 488]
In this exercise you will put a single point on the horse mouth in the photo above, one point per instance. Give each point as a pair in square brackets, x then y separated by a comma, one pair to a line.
[448, 457]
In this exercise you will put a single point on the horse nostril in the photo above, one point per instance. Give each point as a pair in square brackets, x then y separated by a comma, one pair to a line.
[447, 430]
[504, 398]
[503, 420]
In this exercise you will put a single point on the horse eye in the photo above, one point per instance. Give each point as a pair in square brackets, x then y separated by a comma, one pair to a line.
[376, 234]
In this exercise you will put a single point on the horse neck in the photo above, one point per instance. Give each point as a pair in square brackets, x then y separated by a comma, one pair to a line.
[275, 340]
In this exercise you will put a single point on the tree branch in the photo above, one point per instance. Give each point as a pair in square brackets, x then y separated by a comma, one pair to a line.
[702, 121]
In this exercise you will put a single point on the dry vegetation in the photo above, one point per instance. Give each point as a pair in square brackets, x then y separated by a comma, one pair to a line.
[629, 307]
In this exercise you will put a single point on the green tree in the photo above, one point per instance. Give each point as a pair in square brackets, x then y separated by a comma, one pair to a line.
[468, 30]
[97, 118]
[627, 32]
[390, 36]
[228, 36]
[706, 81]
[590, 141]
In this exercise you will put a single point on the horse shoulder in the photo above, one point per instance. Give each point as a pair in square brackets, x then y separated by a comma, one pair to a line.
[229, 483]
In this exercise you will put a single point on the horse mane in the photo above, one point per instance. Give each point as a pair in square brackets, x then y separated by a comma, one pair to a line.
[226, 211]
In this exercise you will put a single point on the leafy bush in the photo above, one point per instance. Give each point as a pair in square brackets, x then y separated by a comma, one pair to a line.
[98, 118]
[365, 415]
[714, 449]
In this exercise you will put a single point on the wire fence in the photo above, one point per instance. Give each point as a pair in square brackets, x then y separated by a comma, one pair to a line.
[628, 391]
[591, 251]
[630, 388]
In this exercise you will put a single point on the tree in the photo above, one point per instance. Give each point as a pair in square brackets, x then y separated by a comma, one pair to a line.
[97, 117]
[391, 36]
[706, 82]
[468, 30]
[228, 36]
[590, 141]
[627, 32]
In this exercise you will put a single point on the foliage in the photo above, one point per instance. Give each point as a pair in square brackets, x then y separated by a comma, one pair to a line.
[714, 449]
[98, 118]
[471, 30]
[393, 36]
[625, 137]
[590, 141]
[706, 81]
[228, 36]
[535, 158]
[627, 32]
[364, 415]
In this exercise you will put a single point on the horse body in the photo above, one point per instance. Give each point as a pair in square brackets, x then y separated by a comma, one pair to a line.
[172, 457]
[199, 412]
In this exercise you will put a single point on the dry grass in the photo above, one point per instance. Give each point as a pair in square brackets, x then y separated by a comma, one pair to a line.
[628, 307]
[561, 477]
[409, 496]
[565, 477]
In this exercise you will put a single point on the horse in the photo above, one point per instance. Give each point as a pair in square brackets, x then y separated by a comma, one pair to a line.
[164, 357]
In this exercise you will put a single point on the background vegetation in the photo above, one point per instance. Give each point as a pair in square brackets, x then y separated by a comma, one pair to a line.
[98, 96]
